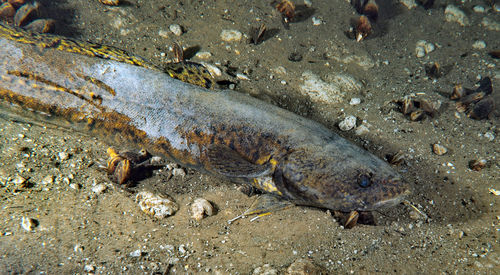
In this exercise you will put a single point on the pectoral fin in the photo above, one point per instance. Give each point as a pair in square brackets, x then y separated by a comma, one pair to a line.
[228, 162]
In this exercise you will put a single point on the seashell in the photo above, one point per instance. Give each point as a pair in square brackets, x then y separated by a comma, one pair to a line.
[42, 26]
[29, 224]
[352, 220]
[407, 106]
[434, 70]
[287, 9]
[428, 107]
[110, 2]
[439, 149]
[123, 171]
[26, 13]
[458, 92]
[363, 28]
[417, 115]
[461, 107]
[156, 205]
[16, 3]
[201, 207]
[7, 12]
[396, 158]
[477, 165]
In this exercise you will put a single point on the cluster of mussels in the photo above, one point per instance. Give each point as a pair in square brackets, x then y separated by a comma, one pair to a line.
[22, 13]
[476, 103]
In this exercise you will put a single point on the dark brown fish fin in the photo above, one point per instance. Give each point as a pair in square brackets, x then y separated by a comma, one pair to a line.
[227, 162]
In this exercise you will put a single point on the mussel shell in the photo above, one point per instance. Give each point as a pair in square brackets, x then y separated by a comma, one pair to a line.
[26, 14]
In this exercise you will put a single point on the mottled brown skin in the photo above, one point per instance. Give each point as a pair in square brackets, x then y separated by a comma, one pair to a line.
[225, 133]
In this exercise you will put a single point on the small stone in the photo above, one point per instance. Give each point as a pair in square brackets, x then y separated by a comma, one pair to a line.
[266, 269]
[409, 4]
[241, 76]
[63, 156]
[49, 179]
[423, 47]
[489, 135]
[203, 55]
[479, 45]
[89, 268]
[201, 207]
[316, 21]
[355, 101]
[135, 253]
[361, 130]
[19, 181]
[478, 9]
[454, 14]
[75, 186]
[29, 224]
[99, 188]
[179, 172]
[490, 24]
[477, 164]
[163, 33]
[176, 29]
[439, 149]
[348, 123]
[231, 35]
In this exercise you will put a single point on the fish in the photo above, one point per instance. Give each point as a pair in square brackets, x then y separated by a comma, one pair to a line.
[125, 100]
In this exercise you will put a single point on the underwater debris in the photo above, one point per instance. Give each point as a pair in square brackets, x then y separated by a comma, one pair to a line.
[477, 104]
[287, 10]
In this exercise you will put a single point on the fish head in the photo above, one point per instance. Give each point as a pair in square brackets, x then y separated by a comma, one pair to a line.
[343, 178]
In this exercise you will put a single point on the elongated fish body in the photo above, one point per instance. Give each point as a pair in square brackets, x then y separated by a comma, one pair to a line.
[225, 133]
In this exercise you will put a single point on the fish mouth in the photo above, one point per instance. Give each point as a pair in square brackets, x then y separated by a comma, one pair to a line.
[392, 201]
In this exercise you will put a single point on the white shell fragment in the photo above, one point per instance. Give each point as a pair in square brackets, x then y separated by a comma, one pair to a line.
[423, 47]
[348, 123]
[28, 223]
[201, 207]
[454, 14]
[231, 35]
[175, 29]
[439, 149]
[156, 205]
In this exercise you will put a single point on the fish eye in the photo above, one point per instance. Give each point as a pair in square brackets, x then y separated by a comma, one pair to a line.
[364, 181]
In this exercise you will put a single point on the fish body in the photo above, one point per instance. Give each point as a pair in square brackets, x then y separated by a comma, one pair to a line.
[225, 133]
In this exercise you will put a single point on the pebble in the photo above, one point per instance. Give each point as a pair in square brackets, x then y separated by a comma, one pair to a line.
[19, 181]
[355, 101]
[266, 269]
[29, 224]
[99, 188]
[479, 44]
[316, 21]
[439, 149]
[135, 253]
[231, 35]
[89, 268]
[348, 123]
[201, 207]
[489, 135]
[241, 76]
[490, 24]
[49, 179]
[479, 9]
[178, 172]
[203, 55]
[453, 14]
[176, 29]
[63, 156]
[156, 205]
[409, 4]
[163, 33]
[423, 47]
[361, 130]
